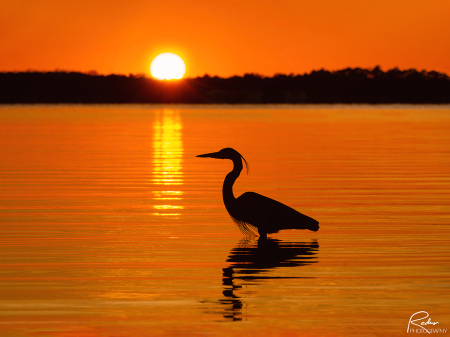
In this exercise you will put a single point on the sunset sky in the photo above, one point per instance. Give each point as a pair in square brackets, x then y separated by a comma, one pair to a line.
[226, 37]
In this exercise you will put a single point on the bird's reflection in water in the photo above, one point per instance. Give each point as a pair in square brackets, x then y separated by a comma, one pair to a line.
[251, 261]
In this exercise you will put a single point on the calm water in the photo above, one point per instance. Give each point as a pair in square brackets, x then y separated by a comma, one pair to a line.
[110, 226]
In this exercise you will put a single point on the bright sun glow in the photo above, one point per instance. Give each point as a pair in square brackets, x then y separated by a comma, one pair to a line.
[167, 66]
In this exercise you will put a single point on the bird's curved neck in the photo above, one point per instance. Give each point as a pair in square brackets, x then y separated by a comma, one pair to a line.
[227, 190]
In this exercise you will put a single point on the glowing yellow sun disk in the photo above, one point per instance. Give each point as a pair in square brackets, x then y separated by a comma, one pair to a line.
[167, 66]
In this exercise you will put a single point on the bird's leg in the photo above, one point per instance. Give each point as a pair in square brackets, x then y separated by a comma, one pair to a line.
[262, 235]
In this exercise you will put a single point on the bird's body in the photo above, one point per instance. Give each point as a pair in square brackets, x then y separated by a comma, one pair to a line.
[252, 211]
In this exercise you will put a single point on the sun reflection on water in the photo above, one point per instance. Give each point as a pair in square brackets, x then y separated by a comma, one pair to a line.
[167, 195]
[167, 161]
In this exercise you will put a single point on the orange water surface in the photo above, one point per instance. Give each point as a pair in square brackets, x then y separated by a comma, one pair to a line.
[110, 226]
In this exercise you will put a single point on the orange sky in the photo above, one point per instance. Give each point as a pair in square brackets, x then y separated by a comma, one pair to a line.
[225, 37]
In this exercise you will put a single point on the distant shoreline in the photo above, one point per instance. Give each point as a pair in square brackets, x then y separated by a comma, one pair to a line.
[347, 86]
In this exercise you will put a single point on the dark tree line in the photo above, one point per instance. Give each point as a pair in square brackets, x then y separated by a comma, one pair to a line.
[343, 86]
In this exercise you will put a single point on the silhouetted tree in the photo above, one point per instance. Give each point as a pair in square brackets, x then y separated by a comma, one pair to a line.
[350, 85]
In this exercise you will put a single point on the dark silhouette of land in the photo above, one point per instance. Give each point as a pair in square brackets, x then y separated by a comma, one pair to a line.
[342, 86]
[253, 212]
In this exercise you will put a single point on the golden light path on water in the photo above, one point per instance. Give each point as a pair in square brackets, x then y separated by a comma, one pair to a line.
[167, 162]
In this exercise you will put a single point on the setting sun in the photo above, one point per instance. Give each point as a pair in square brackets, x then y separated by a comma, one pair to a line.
[167, 66]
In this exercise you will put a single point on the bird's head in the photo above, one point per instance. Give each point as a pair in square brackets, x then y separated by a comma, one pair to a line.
[226, 153]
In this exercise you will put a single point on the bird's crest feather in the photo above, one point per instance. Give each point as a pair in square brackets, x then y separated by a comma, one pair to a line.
[246, 164]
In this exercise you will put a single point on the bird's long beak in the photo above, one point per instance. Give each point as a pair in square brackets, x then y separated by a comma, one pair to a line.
[210, 155]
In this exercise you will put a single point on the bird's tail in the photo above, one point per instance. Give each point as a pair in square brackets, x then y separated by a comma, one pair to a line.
[314, 226]
[308, 222]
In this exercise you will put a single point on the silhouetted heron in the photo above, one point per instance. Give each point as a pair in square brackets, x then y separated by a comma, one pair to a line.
[252, 211]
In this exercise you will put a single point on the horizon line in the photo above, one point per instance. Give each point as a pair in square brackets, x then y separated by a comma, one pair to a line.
[206, 75]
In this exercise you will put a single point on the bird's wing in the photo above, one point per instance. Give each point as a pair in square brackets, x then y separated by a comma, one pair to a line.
[262, 211]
